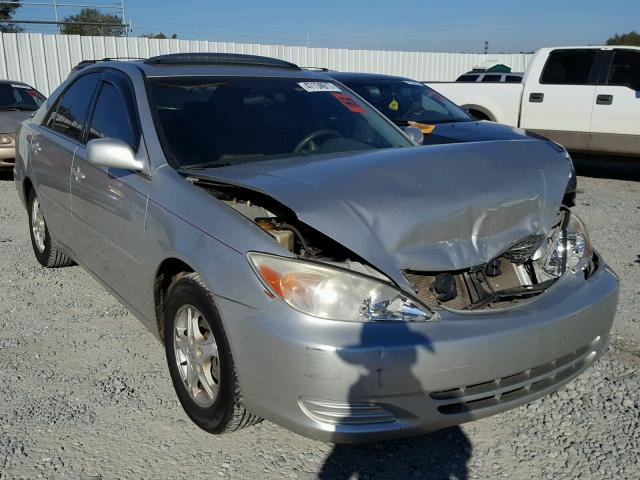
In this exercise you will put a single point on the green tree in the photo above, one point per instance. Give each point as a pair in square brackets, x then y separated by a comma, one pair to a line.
[631, 38]
[160, 35]
[90, 21]
[7, 11]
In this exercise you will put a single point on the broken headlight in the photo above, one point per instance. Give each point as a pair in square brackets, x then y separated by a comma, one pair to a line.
[568, 248]
[335, 294]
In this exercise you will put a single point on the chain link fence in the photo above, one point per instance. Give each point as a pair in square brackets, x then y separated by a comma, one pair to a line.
[66, 28]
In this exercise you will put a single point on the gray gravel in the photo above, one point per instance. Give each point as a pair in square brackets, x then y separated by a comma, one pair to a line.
[85, 393]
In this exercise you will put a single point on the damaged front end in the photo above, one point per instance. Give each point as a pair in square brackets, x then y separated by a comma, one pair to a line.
[523, 271]
[314, 282]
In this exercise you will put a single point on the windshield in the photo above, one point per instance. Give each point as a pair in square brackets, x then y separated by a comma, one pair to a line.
[215, 122]
[16, 96]
[405, 100]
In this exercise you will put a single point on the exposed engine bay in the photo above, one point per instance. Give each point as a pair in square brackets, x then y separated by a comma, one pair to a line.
[514, 276]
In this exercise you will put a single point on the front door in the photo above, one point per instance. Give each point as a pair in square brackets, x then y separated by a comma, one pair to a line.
[109, 205]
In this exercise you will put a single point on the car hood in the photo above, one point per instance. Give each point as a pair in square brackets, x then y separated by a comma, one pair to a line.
[460, 132]
[435, 208]
[10, 120]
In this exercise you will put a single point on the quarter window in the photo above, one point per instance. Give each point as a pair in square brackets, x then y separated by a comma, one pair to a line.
[110, 118]
[568, 67]
[625, 69]
[70, 114]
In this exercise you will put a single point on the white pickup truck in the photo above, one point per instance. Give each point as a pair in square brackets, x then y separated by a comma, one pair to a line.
[586, 98]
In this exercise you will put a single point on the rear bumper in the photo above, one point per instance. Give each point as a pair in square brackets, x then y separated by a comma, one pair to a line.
[351, 382]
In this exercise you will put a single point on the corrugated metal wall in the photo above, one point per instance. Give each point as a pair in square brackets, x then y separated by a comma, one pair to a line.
[44, 61]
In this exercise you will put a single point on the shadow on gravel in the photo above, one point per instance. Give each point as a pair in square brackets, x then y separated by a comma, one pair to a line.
[601, 166]
[386, 354]
[6, 176]
[439, 455]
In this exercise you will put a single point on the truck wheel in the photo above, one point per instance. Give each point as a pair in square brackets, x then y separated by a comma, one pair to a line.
[200, 361]
[43, 247]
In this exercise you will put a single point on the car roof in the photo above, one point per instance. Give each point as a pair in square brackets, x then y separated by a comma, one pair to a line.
[355, 76]
[207, 64]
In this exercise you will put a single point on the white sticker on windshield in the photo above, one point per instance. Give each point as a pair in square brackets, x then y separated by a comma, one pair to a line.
[319, 87]
[19, 85]
[412, 82]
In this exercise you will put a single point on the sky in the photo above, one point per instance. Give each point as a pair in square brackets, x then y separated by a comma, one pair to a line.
[427, 25]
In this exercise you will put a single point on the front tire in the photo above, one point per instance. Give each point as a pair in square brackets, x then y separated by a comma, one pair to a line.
[43, 247]
[200, 361]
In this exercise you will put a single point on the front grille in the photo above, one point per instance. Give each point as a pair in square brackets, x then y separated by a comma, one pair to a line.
[353, 413]
[492, 393]
[470, 287]
[523, 250]
[475, 288]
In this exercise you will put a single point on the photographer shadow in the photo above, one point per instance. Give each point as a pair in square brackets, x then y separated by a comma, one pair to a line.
[439, 455]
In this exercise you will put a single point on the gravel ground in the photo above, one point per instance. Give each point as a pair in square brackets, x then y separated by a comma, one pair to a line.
[85, 393]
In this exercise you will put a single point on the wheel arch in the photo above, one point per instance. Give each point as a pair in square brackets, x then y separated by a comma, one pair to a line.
[484, 113]
[168, 272]
[27, 186]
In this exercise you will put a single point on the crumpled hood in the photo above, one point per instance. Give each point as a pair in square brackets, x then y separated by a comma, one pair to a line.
[434, 208]
[10, 120]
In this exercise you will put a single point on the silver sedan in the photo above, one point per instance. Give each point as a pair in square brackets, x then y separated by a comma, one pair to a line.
[301, 259]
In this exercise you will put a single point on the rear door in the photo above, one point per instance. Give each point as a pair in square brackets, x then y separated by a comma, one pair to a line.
[558, 101]
[109, 205]
[615, 124]
[52, 148]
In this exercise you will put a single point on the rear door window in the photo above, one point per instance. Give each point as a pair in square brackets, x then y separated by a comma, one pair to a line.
[491, 78]
[568, 67]
[625, 69]
[70, 114]
[110, 118]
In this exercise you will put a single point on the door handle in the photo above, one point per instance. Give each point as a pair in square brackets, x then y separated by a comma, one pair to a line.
[604, 100]
[77, 174]
[536, 97]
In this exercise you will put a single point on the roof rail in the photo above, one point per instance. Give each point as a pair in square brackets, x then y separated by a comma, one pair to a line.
[235, 59]
[86, 63]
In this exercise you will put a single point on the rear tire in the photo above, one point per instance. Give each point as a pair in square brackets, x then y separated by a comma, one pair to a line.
[199, 359]
[43, 246]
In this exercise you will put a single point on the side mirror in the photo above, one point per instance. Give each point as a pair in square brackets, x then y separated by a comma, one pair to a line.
[112, 153]
[415, 134]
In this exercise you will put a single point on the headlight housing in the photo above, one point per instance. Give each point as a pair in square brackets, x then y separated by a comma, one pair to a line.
[7, 139]
[335, 294]
[568, 248]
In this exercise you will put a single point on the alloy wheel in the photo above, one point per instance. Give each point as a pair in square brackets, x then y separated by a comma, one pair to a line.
[196, 355]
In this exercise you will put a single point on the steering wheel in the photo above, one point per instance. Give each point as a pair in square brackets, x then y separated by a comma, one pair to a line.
[313, 135]
[416, 109]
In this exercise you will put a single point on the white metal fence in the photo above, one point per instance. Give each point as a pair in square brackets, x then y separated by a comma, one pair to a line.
[44, 61]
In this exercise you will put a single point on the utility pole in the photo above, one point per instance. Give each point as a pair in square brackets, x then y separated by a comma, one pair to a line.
[486, 47]
[55, 11]
[307, 39]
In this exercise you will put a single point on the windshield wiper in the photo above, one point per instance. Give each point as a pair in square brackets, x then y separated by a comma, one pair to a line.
[203, 166]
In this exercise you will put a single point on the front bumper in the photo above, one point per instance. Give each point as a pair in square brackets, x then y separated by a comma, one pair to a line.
[354, 382]
[7, 157]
